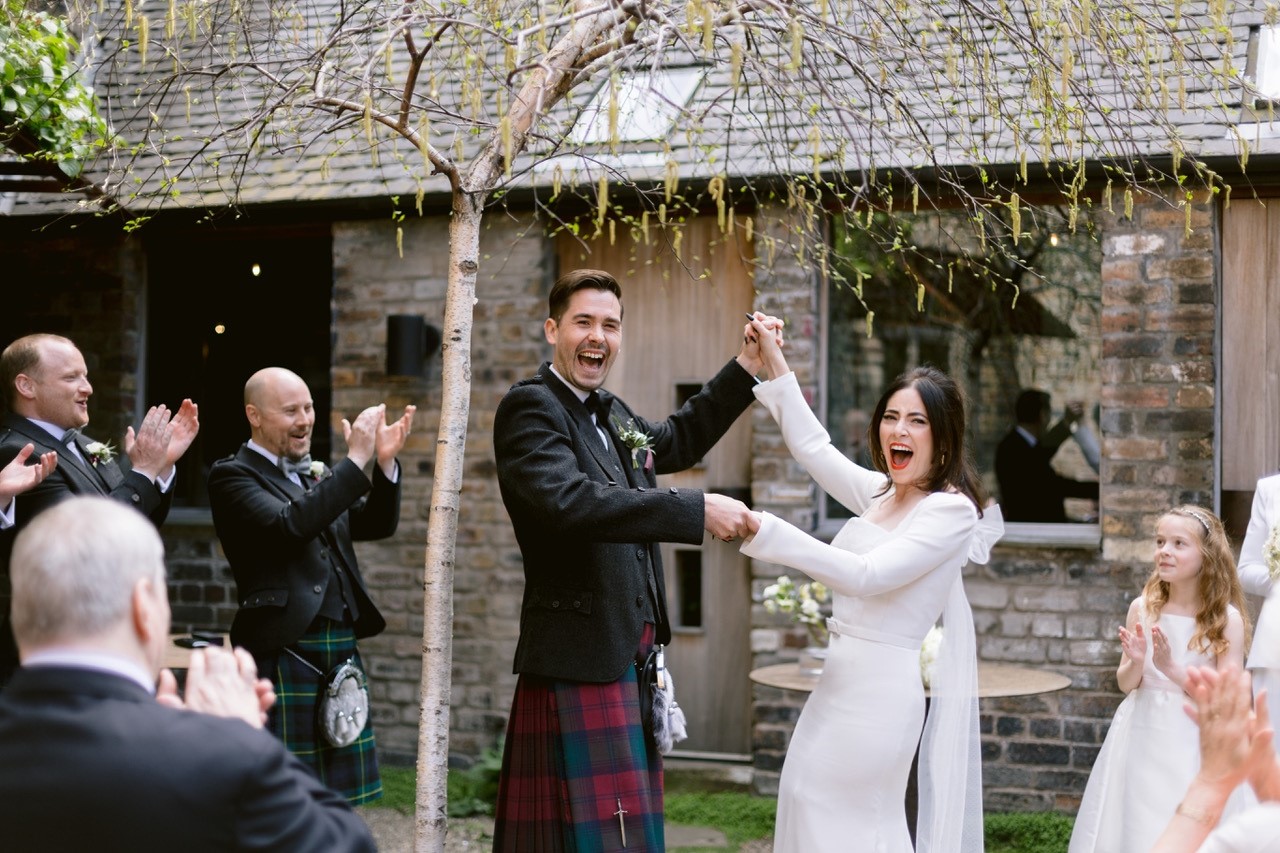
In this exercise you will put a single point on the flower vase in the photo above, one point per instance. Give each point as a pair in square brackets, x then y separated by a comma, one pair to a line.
[812, 659]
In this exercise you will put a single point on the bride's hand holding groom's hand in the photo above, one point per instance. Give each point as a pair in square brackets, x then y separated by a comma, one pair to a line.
[753, 355]
[766, 334]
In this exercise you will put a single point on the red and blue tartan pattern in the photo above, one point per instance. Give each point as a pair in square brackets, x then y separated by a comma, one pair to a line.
[576, 754]
[350, 770]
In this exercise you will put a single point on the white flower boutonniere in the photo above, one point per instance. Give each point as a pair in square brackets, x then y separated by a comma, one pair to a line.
[318, 470]
[1271, 552]
[99, 452]
[637, 440]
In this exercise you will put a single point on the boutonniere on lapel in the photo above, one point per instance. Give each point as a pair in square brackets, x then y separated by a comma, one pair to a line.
[318, 470]
[637, 440]
[99, 453]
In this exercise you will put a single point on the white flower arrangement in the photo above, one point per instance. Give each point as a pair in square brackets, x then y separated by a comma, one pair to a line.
[929, 654]
[637, 440]
[802, 602]
[1271, 552]
[99, 452]
[318, 470]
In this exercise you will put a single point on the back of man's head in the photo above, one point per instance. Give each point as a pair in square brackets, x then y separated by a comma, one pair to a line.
[74, 569]
[1031, 405]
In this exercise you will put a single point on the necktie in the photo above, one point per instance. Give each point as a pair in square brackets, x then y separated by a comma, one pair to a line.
[301, 467]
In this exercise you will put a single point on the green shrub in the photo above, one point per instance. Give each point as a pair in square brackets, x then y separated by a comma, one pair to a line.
[474, 791]
[1028, 832]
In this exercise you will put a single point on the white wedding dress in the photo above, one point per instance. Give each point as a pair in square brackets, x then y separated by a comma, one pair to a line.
[1150, 754]
[845, 775]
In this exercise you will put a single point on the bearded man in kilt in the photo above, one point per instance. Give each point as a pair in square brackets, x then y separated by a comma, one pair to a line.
[577, 469]
[287, 524]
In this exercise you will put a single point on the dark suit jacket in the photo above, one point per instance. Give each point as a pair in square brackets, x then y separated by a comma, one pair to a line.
[281, 539]
[588, 538]
[1030, 490]
[71, 478]
[90, 761]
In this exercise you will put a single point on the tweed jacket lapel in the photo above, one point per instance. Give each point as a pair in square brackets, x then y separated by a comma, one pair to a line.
[287, 489]
[108, 472]
[634, 476]
[274, 478]
[582, 416]
[88, 478]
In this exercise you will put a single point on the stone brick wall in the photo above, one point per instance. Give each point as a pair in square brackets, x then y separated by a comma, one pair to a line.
[780, 485]
[1054, 608]
[372, 281]
[1059, 609]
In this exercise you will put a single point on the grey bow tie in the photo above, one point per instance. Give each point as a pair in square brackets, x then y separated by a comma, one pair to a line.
[301, 467]
[69, 437]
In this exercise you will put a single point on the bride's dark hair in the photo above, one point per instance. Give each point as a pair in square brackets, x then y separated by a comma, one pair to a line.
[944, 407]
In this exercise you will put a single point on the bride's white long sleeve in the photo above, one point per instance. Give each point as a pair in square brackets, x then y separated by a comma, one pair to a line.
[937, 533]
[810, 445]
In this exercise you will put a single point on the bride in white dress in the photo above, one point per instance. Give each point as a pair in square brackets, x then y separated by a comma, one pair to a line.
[893, 571]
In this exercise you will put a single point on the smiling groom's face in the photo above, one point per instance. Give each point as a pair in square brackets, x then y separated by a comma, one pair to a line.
[587, 337]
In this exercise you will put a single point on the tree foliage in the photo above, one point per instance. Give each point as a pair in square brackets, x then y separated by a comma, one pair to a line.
[42, 92]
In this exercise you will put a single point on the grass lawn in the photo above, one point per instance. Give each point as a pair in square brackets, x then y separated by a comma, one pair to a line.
[741, 816]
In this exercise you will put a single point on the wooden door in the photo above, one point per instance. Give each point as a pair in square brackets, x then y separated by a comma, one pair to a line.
[1250, 346]
[682, 321]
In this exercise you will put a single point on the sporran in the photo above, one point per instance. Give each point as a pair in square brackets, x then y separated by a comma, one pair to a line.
[342, 706]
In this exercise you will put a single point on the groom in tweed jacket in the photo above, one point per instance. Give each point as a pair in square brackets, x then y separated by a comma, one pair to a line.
[577, 771]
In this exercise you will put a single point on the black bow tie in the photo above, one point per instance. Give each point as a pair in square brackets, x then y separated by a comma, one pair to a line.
[301, 467]
[598, 407]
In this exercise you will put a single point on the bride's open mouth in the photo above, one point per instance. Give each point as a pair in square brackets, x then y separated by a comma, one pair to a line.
[899, 456]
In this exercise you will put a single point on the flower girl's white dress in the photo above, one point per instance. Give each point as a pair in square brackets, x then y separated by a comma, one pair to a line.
[1150, 755]
[845, 775]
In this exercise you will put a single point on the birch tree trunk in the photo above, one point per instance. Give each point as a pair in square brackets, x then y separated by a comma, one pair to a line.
[430, 815]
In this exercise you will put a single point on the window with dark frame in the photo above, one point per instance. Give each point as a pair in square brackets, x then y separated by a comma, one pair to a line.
[222, 306]
[995, 315]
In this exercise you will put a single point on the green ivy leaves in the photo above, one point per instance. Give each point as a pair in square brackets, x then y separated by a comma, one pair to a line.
[39, 90]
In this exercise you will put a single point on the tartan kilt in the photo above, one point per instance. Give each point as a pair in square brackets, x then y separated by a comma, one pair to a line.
[576, 754]
[350, 770]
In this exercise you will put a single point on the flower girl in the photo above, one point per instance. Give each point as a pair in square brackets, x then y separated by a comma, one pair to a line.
[1191, 613]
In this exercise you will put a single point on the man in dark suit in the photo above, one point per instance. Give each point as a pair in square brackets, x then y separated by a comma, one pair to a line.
[287, 524]
[91, 760]
[576, 467]
[1030, 490]
[47, 390]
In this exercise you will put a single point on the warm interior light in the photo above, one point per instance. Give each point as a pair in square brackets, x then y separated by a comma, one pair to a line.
[256, 270]
[1053, 239]
[219, 329]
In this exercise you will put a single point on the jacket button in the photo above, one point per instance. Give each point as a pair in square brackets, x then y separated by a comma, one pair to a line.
[316, 588]
[135, 498]
[674, 490]
[577, 605]
[639, 601]
[640, 488]
[639, 553]
[555, 605]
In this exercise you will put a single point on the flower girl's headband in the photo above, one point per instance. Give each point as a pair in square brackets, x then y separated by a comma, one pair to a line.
[1194, 513]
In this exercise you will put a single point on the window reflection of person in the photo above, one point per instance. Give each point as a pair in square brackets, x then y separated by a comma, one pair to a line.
[1030, 490]
[855, 423]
